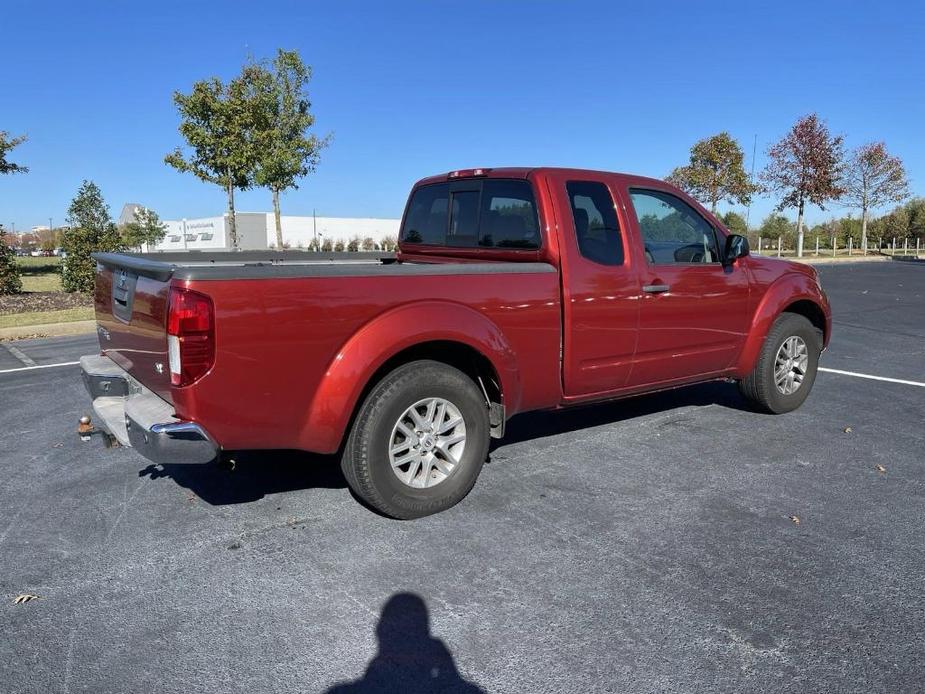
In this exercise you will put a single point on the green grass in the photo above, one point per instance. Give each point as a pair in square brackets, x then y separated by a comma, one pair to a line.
[40, 274]
[30, 264]
[18, 320]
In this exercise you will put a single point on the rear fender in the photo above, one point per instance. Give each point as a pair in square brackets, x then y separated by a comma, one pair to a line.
[784, 292]
[358, 360]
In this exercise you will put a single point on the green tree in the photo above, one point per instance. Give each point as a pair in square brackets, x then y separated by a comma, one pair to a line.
[7, 144]
[776, 225]
[91, 231]
[873, 178]
[805, 166]
[735, 223]
[716, 172]
[289, 152]
[225, 127]
[10, 274]
[147, 228]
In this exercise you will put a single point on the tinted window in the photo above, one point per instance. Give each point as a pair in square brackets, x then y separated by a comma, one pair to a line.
[596, 226]
[497, 213]
[427, 215]
[508, 215]
[464, 218]
[673, 232]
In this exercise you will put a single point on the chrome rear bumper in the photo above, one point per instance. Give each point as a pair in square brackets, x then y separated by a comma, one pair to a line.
[137, 417]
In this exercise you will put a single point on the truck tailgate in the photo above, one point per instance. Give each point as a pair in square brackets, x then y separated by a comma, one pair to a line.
[131, 317]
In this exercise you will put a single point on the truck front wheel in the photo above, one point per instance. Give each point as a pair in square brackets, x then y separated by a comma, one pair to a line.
[786, 368]
[418, 442]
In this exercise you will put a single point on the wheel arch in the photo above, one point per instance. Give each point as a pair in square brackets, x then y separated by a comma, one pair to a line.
[792, 293]
[444, 332]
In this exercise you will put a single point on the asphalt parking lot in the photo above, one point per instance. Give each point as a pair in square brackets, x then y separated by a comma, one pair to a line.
[641, 546]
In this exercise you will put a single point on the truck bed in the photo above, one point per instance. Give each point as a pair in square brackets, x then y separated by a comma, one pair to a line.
[293, 264]
[283, 320]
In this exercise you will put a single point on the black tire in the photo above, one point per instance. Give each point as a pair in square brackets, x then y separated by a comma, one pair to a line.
[760, 386]
[366, 463]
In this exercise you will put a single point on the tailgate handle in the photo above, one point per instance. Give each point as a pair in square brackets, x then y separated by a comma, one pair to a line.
[655, 288]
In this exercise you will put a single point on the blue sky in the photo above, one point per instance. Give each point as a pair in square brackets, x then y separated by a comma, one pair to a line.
[411, 89]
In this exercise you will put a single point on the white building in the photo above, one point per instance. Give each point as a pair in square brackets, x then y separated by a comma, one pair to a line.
[257, 230]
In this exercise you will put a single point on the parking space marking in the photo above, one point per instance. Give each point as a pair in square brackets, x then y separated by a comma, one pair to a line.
[873, 378]
[38, 366]
[19, 354]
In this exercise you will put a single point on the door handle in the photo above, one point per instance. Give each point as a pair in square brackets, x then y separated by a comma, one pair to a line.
[655, 288]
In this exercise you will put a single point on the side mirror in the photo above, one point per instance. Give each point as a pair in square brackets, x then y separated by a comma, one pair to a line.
[736, 247]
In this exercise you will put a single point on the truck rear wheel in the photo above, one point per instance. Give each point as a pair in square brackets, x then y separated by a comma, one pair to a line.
[419, 441]
[787, 364]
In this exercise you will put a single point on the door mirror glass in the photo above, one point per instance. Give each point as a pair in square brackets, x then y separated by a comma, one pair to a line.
[736, 247]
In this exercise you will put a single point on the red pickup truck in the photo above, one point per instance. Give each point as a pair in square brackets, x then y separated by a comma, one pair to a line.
[513, 289]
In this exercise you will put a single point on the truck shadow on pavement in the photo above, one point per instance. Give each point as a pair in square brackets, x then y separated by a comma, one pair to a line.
[259, 473]
[535, 425]
[410, 659]
[255, 475]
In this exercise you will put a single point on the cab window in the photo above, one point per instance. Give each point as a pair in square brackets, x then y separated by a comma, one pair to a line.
[596, 228]
[672, 230]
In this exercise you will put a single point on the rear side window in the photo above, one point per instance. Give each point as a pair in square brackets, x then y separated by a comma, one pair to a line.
[672, 230]
[427, 215]
[494, 213]
[596, 227]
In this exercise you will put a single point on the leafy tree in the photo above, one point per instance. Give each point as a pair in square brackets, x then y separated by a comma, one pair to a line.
[10, 274]
[777, 225]
[7, 144]
[353, 245]
[147, 228]
[338, 245]
[289, 152]
[225, 127]
[716, 172]
[735, 223]
[873, 178]
[91, 230]
[805, 166]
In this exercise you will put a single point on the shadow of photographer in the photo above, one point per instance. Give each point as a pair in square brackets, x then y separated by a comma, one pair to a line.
[410, 660]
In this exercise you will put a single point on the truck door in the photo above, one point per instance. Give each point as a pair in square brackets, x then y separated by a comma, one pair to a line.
[693, 313]
[600, 290]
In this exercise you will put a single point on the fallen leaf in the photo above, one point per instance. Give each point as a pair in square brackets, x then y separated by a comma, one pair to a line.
[24, 597]
[191, 497]
[880, 468]
[848, 430]
[795, 519]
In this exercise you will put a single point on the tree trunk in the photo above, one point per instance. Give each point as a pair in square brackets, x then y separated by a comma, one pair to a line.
[800, 231]
[232, 222]
[864, 230]
[279, 220]
[713, 206]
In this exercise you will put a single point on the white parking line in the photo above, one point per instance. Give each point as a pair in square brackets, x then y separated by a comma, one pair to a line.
[38, 366]
[872, 378]
[19, 354]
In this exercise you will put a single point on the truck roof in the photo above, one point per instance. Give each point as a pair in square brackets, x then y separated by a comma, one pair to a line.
[525, 171]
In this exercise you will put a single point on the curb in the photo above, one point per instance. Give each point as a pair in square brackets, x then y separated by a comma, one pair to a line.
[77, 327]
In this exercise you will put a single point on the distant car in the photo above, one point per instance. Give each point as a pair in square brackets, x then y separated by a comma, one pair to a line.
[36, 253]
[22, 252]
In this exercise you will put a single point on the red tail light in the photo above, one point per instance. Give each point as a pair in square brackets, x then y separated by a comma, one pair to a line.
[190, 335]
